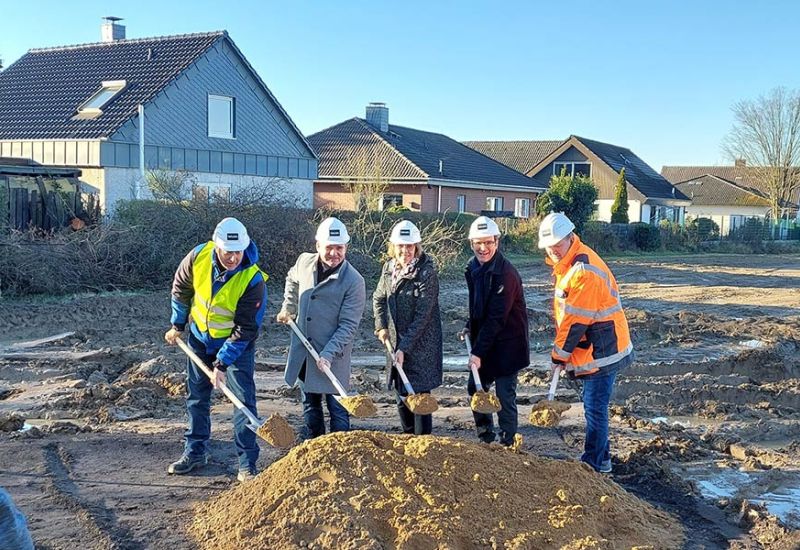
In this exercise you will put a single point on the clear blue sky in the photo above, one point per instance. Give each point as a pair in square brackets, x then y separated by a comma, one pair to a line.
[658, 77]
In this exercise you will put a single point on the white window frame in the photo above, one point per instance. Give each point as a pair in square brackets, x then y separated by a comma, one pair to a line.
[461, 203]
[93, 107]
[522, 207]
[221, 100]
[571, 167]
[494, 202]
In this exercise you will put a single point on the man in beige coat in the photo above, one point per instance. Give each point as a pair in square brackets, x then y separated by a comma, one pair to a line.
[325, 295]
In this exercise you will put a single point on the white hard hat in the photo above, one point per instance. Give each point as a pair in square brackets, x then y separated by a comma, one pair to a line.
[483, 227]
[332, 231]
[231, 235]
[405, 232]
[554, 228]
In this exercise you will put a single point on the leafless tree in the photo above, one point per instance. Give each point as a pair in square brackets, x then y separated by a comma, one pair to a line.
[366, 180]
[766, 135]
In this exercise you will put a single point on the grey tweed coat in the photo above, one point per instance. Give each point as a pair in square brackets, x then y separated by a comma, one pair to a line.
[328, 313]
[410, 311]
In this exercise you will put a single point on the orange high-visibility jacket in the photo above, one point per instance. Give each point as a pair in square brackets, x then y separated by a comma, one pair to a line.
[591, 328]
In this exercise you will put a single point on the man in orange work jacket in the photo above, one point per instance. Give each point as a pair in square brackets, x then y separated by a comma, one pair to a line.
[592, 339]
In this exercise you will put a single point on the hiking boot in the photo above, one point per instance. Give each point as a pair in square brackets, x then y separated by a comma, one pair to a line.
[246, 474]
[605, 467]
[186, 464]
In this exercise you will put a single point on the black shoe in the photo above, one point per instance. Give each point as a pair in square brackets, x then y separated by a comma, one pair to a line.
[186, 464]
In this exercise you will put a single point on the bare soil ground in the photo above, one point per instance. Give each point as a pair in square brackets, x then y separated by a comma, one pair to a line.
[706, 424]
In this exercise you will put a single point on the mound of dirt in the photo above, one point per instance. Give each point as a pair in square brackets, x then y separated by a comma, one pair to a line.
[370, 490]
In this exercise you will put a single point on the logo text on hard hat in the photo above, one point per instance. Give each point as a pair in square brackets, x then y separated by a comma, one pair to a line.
[483, 225]
[334, 233]
[233, 237]
[405, 232]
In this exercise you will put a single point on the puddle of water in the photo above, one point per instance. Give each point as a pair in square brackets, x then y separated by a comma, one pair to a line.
[782, 501]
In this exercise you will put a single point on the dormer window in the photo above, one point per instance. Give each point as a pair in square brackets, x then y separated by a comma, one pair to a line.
[93, 106]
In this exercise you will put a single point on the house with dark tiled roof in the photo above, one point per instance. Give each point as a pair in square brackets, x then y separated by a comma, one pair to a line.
[424, 171]
[651, 197]
[728, 194]
[200, 106]
[723, 201]
[522, 156]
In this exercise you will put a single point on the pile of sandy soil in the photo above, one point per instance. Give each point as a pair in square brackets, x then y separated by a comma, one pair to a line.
[371, 490]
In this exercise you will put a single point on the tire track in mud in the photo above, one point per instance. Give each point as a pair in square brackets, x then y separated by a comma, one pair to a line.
[102, 527]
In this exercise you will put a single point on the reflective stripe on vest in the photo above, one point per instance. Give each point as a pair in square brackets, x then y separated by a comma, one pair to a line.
[214, 314]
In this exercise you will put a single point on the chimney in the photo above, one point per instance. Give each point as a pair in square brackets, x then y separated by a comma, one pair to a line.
[740, 163]
[378, 116]
[110, 30]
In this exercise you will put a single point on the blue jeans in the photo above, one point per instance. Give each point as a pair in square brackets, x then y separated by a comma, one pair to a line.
[597, 390]
[239, 379]
[315, 418]
[506, 387]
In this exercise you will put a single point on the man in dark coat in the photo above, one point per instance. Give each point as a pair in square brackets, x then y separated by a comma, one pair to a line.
[497, 327]
[406, 307]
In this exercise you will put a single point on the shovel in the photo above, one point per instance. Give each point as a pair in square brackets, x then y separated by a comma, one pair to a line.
[418, 403]
[482, 402]
[275, 431]
[547, 414]
[360, 405]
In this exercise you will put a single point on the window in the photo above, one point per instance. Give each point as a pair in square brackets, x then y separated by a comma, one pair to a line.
[391, 199]
[221, 117]
[573, 168]
[522, 208]
[494, 203]
[211, 192]
[92, 107]
[461, 203]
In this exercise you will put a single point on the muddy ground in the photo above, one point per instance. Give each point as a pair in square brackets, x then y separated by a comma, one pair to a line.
[706, 425]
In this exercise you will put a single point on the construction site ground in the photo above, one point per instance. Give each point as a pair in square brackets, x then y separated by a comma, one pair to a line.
[705, 425]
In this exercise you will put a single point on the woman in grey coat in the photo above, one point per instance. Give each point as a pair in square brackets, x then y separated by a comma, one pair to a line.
[406, 307]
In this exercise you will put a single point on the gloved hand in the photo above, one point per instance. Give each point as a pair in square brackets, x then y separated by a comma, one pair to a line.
[172, 336]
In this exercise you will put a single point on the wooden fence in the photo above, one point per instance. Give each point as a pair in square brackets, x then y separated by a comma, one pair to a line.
[47, 204]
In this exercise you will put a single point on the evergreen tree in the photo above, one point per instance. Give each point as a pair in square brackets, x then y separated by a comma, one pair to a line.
[572, 195]
[619, 210]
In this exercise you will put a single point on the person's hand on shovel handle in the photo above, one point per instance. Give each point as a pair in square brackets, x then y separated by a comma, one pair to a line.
[474, 361]
[219, 374]
[172, 335]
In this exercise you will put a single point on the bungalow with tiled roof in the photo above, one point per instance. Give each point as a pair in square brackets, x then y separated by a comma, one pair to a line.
[727, 194]
[651, 198]
[423, 171]
[206, 112]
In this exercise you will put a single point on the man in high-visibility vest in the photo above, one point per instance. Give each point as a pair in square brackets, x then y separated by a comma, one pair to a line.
[220, 292]
[592, 340]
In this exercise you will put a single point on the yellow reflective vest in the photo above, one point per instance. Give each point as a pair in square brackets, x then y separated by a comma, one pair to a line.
[214, 314]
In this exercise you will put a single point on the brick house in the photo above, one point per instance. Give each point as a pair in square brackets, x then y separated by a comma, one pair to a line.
[424, 171]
